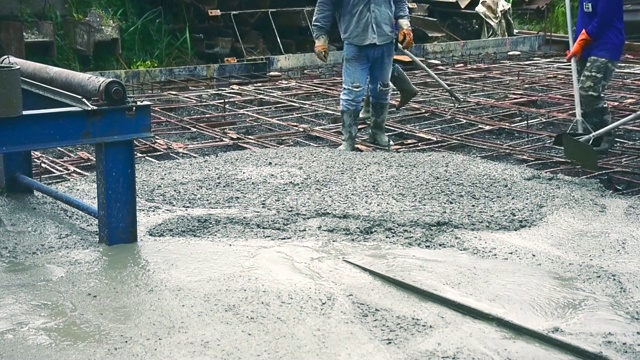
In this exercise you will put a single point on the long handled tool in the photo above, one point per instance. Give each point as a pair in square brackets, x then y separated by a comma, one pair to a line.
[574, 67]
[555, 342]
[434, 76]
[574, 149]
[577, 146]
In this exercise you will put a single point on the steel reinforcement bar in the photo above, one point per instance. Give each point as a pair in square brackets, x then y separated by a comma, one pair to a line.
[512, 110]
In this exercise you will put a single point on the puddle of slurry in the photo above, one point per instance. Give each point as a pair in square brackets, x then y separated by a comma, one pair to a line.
[310, 283]
[34, 309]
[589, 250]
[527, 295]
[180, 298]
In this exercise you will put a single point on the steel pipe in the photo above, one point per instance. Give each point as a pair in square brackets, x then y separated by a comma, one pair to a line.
[10, 91]
[107, 91]
[55, 194]
[574, 67]
[431, 73]
[610, 127]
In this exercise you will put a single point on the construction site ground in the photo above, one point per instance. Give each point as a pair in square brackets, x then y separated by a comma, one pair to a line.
[511, 111]
[240, 252]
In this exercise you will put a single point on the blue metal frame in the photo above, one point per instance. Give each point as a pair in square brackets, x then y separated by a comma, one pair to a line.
[41, 129]
[112, 130]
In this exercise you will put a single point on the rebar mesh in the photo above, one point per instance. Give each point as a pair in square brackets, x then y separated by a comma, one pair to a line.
[512, 111]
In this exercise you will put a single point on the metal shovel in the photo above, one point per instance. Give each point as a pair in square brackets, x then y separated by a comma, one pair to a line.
[579, 146]
[574, 149]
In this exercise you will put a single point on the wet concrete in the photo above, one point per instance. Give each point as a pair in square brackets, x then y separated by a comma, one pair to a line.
[240, 257]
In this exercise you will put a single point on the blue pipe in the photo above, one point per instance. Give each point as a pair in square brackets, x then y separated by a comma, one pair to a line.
[55, 194]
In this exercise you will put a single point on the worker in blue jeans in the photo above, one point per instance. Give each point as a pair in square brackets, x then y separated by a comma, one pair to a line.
[400, 81]
[367, 30]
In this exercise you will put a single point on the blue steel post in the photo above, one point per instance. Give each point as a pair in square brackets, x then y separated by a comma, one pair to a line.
[12, 164]
[116, 178]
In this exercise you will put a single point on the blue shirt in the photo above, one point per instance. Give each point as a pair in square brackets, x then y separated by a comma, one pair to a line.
[361, 22]
[604, 22]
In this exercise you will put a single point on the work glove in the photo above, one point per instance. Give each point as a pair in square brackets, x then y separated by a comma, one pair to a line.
[322, 48]
[405, 37]
[583, 41]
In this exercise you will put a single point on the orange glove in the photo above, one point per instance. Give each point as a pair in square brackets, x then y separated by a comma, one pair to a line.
[405, 37]
[322, 48]
[583, 41]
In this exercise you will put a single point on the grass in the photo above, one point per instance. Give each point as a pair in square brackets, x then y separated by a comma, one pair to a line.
[149, 37]
[557, 21]
[153, 37]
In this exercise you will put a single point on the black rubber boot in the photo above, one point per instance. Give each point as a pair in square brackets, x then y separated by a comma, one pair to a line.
[608, 140]
[599, 119]
[401, 82]
[349, 130]
[378, 121]
[365, 114]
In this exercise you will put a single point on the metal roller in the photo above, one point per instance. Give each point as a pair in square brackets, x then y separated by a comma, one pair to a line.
[109, 91]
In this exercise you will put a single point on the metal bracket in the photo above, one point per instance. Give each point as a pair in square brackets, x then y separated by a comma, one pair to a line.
[57, 94]
[275, 30]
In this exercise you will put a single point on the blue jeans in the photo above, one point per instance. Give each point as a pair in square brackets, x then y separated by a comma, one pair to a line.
[362, 63]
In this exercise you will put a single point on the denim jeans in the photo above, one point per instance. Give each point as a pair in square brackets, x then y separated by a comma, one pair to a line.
[362, 65]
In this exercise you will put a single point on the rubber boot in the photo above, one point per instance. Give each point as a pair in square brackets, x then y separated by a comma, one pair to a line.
[365, 114]
[608, 140]
[604, 119]
[401, 82]
[378, 121]
[349, 130]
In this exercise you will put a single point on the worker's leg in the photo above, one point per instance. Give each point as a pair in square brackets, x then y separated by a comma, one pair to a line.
[366, 107]
[595, 76]
[401, 82]
[365, 113]
[380, 90]
[355, 70]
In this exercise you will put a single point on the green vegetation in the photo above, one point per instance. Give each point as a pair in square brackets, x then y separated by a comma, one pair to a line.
[556, 21]
[149, 37]
[155, 37]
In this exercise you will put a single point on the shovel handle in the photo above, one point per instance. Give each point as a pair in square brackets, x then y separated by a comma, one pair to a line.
[574, 67]
[434, 76]
[616, 124]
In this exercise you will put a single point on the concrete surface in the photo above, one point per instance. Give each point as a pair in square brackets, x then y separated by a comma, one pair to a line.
[240, 257]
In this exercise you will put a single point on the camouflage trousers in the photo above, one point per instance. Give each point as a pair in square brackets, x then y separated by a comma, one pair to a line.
[595, 74]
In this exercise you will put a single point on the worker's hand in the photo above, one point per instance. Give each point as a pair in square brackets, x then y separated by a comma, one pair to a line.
[322, 48]
[405, 37]
[583, 41]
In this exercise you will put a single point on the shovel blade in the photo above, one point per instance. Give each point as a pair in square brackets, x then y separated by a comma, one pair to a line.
[579, 152]
[558, 140]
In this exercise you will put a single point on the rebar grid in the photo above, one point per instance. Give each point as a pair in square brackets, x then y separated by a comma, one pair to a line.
[513, 109]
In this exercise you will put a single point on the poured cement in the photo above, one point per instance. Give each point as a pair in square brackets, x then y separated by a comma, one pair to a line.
[240, 257]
